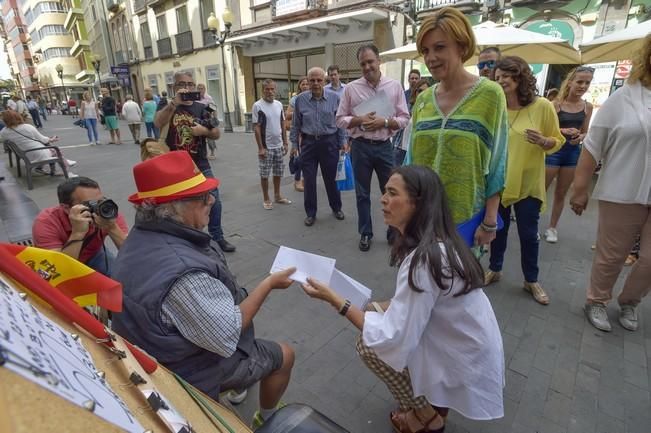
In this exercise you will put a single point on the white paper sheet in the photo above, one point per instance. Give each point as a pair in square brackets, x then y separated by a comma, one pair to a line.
[348, 288]
[378, 103]
[307, 264]
[62, 364]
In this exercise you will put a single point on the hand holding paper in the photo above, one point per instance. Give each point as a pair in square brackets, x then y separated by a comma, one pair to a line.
[306, 264]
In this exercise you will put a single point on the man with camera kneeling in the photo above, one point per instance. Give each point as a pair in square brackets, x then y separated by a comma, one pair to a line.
[80, 223]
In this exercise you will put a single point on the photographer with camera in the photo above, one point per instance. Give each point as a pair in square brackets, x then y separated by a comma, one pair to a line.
[80, 224]
[186, 124]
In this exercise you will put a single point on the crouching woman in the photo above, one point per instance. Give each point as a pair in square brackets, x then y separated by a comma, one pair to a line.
[437, 345]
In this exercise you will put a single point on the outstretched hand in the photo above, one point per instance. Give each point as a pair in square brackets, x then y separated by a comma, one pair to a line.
[280, 279]
[318, 290]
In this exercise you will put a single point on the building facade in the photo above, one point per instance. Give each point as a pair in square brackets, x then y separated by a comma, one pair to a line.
[16, 41]
[57, 35]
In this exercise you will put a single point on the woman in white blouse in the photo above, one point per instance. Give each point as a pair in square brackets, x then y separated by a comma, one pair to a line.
[436, 344]
[620, 136]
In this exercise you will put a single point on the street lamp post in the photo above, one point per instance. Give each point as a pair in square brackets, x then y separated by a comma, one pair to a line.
[59, 69]
[96, 64]
[220, 37]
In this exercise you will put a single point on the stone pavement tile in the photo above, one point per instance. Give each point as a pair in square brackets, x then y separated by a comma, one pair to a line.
[636, 375]
[609, 424]
[581, 424]
[558, 408]
[521, 362]
[635, 353]
[510, 344]
[547, 353]
[499, 425]
[610, 403]
[515, 383]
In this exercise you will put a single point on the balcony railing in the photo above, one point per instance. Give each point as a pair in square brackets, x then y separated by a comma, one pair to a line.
[149, 53]
[432, 5]
[208, 38]
[164, 47]
[294, 8]
[139, 6]
[184, 42]
[121, 57]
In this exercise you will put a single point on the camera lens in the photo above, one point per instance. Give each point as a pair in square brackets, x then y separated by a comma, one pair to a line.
[107, 209]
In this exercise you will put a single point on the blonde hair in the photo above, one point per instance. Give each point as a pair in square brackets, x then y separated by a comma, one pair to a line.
[564, 91]
[86, 95]
[642, 65]
[454, 24]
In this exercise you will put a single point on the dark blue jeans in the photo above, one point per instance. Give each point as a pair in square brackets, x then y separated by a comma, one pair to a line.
[102, 262]
[527, 215]
[152, 131]
[215, 223]
[324, 153]
[367, 157]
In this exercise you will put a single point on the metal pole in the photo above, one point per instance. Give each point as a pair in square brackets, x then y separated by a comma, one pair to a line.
[228, 126]
[65, 97]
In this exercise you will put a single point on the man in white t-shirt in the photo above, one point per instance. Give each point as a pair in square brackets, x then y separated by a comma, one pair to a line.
[271, 137]
[132, 113]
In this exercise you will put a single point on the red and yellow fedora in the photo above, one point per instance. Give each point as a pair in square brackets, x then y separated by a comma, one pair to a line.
[168, 177]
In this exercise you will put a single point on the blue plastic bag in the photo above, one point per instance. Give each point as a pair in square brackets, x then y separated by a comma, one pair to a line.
[347, 184]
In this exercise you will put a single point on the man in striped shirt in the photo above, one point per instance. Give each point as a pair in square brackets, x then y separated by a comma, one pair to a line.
[314, 121]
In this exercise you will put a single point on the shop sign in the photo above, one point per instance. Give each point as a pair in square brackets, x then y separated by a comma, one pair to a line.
[285, 7]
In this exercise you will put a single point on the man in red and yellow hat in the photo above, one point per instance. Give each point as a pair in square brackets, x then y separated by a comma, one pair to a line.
[181, 302]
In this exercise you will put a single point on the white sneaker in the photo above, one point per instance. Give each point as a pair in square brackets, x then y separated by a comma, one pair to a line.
[236, 396]
[91, 144]
[551, 235]
[71, 163]
[628, 317]
[71, 175]
[598, 317]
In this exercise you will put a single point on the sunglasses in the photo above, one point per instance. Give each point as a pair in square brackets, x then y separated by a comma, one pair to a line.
[490, 64]
[185, 84]
[585, 69]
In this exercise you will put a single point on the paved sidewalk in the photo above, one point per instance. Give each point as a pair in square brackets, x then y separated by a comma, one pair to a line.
[562, 375]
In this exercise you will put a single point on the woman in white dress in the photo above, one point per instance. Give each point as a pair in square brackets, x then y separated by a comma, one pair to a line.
[436, 344]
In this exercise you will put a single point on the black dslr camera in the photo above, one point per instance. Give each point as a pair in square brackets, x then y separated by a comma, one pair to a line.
[106, 208]
[209, 120]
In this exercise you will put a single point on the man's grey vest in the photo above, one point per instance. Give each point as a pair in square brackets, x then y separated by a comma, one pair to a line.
[151, 259]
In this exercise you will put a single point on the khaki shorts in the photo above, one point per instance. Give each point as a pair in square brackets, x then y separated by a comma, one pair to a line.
[265, 358]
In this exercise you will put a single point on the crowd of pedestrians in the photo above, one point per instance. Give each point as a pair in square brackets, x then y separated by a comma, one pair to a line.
[455, 162]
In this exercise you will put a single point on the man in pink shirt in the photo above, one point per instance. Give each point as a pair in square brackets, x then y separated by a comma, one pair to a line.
[371, 147]
[74, 230]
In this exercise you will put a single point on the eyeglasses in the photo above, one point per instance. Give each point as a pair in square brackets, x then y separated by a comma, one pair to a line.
[185, 84]
[204, 198]
[490, 64]
[585, 69]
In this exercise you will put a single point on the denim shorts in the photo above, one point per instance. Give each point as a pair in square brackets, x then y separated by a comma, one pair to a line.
[567, 156]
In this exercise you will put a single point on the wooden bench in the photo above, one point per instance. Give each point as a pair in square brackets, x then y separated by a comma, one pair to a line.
[20, 154]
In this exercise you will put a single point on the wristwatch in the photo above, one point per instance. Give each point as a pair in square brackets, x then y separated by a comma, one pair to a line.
[386, 123]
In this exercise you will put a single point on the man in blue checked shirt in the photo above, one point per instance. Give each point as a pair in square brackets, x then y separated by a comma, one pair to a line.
[314, 120]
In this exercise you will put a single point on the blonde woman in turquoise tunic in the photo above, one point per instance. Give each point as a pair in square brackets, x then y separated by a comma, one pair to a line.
[460, 127]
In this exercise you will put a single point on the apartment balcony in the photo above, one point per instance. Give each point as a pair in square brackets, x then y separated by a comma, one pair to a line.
[184, 42]
[121, 57]
[85, 75]
[208, 38]
[152, 3]
[425, 7]
[164, 47]
[293, 10]
[79, 46]
[113, 5]
[149, 53]
[139, 6]
[74, 14]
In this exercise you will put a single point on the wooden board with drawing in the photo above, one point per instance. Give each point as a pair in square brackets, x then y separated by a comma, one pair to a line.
[84, 374]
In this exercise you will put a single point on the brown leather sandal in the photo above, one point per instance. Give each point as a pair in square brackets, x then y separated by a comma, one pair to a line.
[400, 425]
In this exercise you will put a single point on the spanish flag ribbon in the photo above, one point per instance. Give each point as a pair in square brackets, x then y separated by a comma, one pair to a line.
[75, 280]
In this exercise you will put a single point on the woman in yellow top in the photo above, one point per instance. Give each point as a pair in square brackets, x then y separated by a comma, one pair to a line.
[533, 134]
